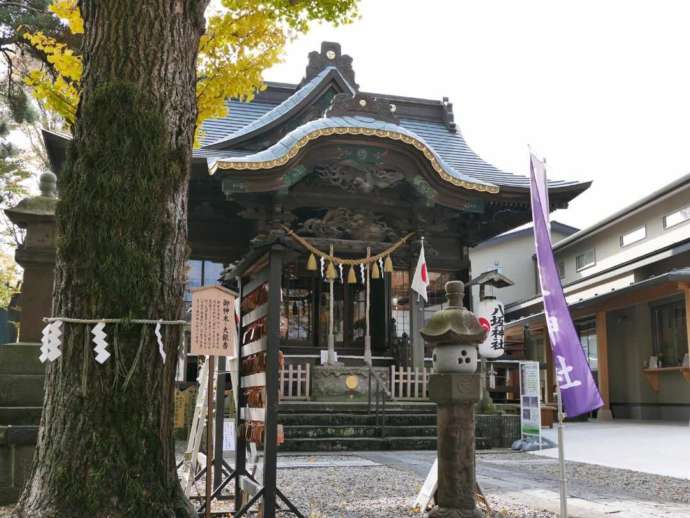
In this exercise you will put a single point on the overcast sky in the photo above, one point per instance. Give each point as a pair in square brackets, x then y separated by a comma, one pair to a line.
[600, 88]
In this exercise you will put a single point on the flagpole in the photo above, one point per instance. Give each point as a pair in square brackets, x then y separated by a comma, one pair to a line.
[559, 400]
[561, 452]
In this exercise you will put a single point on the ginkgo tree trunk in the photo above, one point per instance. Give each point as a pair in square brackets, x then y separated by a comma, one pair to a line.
[105, 446]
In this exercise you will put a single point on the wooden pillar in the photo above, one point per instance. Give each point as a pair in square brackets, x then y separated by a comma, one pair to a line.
[685, 286]
[604, 413]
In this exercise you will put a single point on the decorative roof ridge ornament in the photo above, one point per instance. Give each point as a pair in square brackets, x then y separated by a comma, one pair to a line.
[448, 116]
[330, 55]
[346, 105]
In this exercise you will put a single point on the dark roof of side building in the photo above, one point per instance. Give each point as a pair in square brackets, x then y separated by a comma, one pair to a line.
[556, 226]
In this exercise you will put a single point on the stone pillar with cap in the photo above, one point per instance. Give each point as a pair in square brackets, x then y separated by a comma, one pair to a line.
[36, 256]
[454, 386]
[21, 374]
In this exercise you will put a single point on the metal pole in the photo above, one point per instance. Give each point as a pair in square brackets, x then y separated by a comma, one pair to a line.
[561, 455]
[209, 435]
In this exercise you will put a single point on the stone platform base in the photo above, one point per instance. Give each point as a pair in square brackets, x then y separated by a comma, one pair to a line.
[344, 383]
[21, 397]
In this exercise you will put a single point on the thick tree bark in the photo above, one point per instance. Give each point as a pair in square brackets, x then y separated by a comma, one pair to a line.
[105, 447]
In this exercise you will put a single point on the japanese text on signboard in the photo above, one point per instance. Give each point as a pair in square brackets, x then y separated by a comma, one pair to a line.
[213, 322]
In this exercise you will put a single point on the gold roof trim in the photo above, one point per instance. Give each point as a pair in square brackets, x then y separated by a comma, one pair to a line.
[325, 132]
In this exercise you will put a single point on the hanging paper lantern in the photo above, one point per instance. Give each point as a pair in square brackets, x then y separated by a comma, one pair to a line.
[375, 272]
[351, 277]
[330, 272]
[491, 317]
[388, 265]
[311, 263]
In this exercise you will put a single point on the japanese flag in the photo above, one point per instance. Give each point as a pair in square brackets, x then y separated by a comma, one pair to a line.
[421, 276]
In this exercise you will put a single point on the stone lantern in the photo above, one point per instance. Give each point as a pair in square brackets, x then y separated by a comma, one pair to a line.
[454, 386]
[36, 255]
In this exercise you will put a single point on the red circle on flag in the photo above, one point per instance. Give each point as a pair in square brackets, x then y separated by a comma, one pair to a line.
[484, 323]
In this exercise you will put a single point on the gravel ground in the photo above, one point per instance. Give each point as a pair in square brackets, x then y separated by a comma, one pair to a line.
[353, 487]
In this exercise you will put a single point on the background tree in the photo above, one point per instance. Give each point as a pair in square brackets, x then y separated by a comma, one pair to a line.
[105, 446]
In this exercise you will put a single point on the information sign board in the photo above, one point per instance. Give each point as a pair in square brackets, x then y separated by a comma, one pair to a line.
[214, 331]
[530, 407]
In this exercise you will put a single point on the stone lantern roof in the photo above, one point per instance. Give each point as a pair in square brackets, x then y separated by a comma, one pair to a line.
[36, 207]
[454, 325]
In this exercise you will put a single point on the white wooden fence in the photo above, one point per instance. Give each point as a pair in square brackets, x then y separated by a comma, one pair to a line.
[294, 382]
[410, 384]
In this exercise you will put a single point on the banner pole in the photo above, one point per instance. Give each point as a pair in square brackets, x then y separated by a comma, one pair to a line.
[561, 455]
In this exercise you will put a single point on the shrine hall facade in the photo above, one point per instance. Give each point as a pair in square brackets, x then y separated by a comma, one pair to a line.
[352, 172]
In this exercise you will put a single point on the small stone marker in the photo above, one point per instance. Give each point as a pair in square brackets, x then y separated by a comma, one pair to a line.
[213, 322]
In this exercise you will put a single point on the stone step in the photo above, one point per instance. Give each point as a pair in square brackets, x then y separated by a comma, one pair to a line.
[323, 407]
[308, 431]
[21, 389]
[367, 444]
[20, 415]
[20, 358]
[359, 444]
[355, 419]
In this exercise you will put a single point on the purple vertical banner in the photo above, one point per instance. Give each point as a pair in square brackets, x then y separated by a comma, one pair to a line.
[579, 392]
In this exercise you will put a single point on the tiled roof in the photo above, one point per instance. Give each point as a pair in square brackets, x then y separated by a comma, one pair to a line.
[288, 142]
[276, 112]
[240, 115]
[449, 146]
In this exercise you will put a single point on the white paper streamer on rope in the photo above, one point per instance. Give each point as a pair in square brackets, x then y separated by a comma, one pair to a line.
[362, 273]
[323, 266]
[50, 342]
[159, 337]
[99, 338]
[381, 266]
[51, 339]
[340, 268]
[56, 340]
[45, 342]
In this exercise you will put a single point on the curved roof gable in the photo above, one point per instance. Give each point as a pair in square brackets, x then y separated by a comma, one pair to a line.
[281, 152]
[287, 108]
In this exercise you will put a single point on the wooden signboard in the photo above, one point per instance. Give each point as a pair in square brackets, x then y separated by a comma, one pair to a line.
[214, 331]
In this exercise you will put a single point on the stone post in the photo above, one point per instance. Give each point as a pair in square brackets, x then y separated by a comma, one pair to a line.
[455, 387]
[21, 374]
[455, 394]
[37, 256]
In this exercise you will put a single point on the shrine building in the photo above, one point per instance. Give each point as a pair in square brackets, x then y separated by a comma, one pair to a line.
[323, 164]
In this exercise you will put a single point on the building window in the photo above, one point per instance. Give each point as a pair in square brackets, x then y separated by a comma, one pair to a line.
[585, 260]
[587, 331]
[634, 236]
[677, 217]
[201, 273]
[669, 334]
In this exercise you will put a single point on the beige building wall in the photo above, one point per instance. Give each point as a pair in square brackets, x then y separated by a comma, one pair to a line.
[607, 242]
[514, 257]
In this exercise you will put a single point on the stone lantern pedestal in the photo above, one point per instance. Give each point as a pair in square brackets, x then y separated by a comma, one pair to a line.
[456, 395]
[455, 386]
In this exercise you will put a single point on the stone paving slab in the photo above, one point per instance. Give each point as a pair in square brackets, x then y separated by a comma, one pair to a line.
[656, 447]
